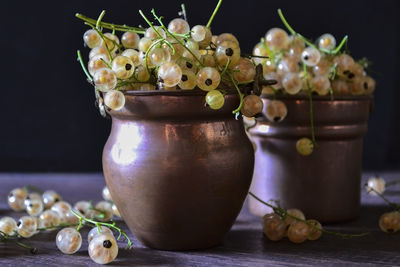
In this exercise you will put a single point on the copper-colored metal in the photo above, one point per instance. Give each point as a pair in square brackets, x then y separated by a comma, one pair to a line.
[326, 184]
[177, 170]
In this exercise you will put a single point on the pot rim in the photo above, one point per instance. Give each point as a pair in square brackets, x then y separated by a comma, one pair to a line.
[320, 98]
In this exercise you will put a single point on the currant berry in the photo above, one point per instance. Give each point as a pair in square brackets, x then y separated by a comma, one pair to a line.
[227, 38]
[320, 84]
[268, 66]
[376, 185]
[144, 44]
[207, 39]
[390, 222]
[50, 197]
[97, 62]
[159, 56]
[68, 240]
[215, 99]
[298, 232]
[62, 208]
[105, 193]
[16, 199]
[32, 196]
[188, 80]
[296, 47]
[169, 74]
[296, 213]
[274, 227]
[344, 64]
[123, 67]
[304, 146]
[8, 226]
[322, 68]
[103, 249]
[186, 64]
[277, 39]
[199, 33]
[26, 226]
[276, 111]
[96, 231]
[114, 99]
[105, 80]
[91, 38]
[244, 71]
[340, 87]
[315, 231]
[179, 26]
[133, 55]
[327, 41]
[274, 76]
[84, 208]
[152, 34]
[100, 50]
[362, 85]
[130, 40]
[111, 42]
[227, 52]
[310, 56]
[292, 83]
[208, 60]
[208, 79]
[286, 65]
[192, 45]
[49, 218]
[106, 208]
[115, 210]
[141, 74]
[34, 206]
[252, 105]
[260, 50]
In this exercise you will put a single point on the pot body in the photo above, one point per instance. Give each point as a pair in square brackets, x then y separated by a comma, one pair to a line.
[325, 185]
[178, 171]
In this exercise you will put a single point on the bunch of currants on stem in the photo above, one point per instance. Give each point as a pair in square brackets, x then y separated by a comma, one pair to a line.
[171, 56]
[302, 67]
[47, 212]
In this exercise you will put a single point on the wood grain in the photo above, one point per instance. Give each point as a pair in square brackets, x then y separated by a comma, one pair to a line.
[243, 246]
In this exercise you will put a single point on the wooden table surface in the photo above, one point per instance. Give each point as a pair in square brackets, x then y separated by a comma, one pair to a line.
[244, 245]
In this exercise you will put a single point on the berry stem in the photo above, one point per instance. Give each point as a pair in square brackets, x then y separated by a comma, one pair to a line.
[394, 205]
[237, 110]
[310, 100]
[98, 224]
[184, 12]
[99, 19]
[283, 213]
[4, 238]
[90, 79]
[213, 14]
[111, 26]
[150, 24]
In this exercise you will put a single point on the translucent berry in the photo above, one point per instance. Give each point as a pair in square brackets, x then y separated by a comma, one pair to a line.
[8, 225]
[390, 222]
[103, 249]
[310, 56]
[344, 63]
[84, 208]
[105, 79]
[115, 210]
[91, 38]
[95, 232]
[327, 41]
[304, 146]
[27, 226]
[130, 40]
[296, 213]
[376, 185]
[208, 60]
[68, 240]
[244, 71]
[152, 34]
[274, 76]
[207, 39]
[296, 47]
[286, 65]
[227, 37]
[315, 229]
[34, 206]
[192, 45]
[99, 50]
[208, 79]
[252, 105]
[133, 55]
[276, 110]
[273, 227]
[186, 64]
[260, 50]
[215, 99]
[31, 196]
[199, 33]
[362, 85]
[50, 197]
[321, 85]
[323, 68]
[141, 74]
[16, 199]
[169, 74]
[49, 218]
[144, 44]
[227, 52]
[114, 99]
[179, 26]
[106, 208]
[62, 208]
[340, 87]
[105, 193]
[111, 41]
[298, 232]
[159, 56]
[123, 67]
[188, 80]
[292, 83]
[277, 39]
[97, 62]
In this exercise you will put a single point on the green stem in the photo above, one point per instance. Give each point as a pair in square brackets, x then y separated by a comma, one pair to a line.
[14, 239]
[213, 14]
[111, 26]
[83, 66]
[184, 12]
[310, 100]
[98, 224]
[150, 24]
[283, 213]
[99, 19]
[226, 67]
[396, 206]
[237, 110]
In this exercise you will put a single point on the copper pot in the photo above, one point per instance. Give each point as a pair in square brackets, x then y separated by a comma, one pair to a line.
[326, 184]
[178, 171]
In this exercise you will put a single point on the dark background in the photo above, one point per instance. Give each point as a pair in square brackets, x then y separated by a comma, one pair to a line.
[48, 119]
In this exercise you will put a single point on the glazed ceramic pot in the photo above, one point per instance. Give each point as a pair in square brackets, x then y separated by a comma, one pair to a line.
[177, 170]
[325, 185]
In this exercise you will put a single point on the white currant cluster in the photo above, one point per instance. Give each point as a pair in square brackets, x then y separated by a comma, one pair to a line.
[292, 224]
[167, 57]
[47, 212]
[304, 68]
[389, 222]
